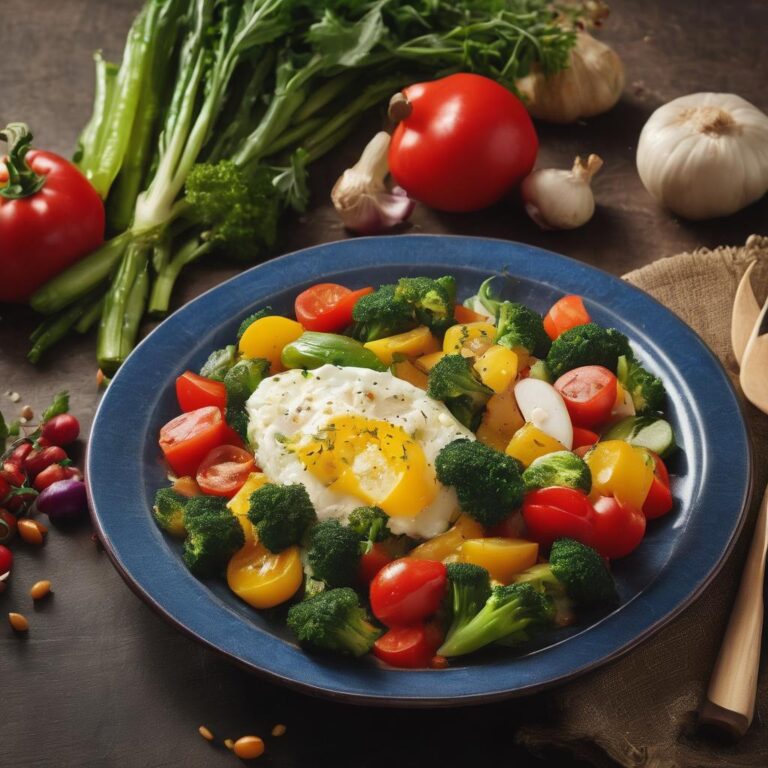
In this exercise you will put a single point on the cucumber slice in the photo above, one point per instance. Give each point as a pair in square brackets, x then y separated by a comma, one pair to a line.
[645, 432]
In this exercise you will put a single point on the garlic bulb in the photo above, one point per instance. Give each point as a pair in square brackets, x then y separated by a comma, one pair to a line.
[705, 154]
[557, 199]
[361, 197]
[591, 85]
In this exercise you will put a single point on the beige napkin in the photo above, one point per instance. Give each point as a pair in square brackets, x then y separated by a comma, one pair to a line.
[641, 710]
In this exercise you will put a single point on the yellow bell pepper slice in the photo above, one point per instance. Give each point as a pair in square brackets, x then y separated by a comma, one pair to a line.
[502, 558]
[415, 343]
[262, 578]
[459, 336]
[529, 442]
[240, 502]
[497, 367]
[407, 371]
[620, 470]
[501, 419]
[427, 362]
[447, 544]
[266, 338]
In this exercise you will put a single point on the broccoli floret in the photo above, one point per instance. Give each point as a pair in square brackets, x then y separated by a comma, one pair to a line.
[509, 611]
[381, 314]
[540, 371]
[219, 362]
[334, 553]
[237, 418]
[574, 570]
[241, 381]
[281, 514]
[647, 391]
[453, 380]
[561, 468]
[168, 511]
[470, 588]
[487, 482]
[431, 303]
[587, 345]
[214, 534]
[252, 319]
[239, 208]
[370, 524]
[519, 326]
[333, 620]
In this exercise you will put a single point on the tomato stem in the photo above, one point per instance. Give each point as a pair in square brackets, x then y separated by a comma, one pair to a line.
[22, 180]
[399, 108]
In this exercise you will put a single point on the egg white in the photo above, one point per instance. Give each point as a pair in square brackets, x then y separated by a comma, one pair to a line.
[301, 403]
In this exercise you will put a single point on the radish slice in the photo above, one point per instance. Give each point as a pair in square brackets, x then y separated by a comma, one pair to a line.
[542, 405]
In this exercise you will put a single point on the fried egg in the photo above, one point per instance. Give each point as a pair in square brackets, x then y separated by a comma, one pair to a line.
[356, 437]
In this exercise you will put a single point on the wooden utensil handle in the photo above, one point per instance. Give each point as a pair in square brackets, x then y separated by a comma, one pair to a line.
[731, 695]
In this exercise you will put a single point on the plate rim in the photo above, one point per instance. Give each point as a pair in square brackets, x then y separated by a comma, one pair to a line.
[385, 699]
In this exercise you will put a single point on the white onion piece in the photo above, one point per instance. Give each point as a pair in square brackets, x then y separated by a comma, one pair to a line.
[543, 406]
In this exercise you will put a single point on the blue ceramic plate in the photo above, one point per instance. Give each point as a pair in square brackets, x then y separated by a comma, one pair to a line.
[679, 556]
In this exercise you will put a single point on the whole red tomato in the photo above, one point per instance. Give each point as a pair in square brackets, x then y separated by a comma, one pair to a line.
[466, 142]
[407, 591]
[50, 216]
[618, 528]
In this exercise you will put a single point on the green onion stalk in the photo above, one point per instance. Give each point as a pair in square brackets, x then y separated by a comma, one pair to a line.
[201, 138]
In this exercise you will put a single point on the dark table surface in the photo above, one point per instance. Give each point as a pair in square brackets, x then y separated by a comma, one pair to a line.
[102, 681]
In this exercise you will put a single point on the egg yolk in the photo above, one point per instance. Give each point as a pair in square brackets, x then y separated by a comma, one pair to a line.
[373, 460]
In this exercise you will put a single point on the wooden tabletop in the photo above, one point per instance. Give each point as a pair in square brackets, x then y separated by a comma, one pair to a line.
[101, 680]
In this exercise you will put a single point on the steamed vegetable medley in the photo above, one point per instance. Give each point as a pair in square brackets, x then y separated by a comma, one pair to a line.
[415, 477]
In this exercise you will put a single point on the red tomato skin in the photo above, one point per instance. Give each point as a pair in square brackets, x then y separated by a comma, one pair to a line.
[565, 313]
[618, 528]
[224, 470]
[409, 647]
[37, 461]
[659, 499]
[20, 452]
[187, 439]
[554, 513]
[44, 233]
[194, 391]
[589, 393]
[407, 591]
[51, 474]
[584, 438]
[8, 526]
[6, 559]
[61, 430]
[512, 527]
[372, 562]
[467, 142]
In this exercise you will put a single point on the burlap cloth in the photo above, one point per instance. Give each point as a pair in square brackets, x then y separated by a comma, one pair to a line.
[641, 710]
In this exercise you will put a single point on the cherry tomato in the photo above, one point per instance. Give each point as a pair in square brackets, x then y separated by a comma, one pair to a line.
[465, 315]
[187, 439]
[12, 474]
[407, 590]
[19, 453]
[552, 513]
[659, 499]
[193, 392]
[408, 647]
[7, 526]
[589, 393]
[224, 471]
[466, 142]
[5, 487]
[51, 474]
[37, 461]
[566, 313]
[327, 307]
[61, 430]
[584, 438]
[618, 527]
[43, 229]
[6, 560]
[373, 561]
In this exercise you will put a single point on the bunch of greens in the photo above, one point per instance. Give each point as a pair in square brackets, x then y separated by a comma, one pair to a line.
[201, 137]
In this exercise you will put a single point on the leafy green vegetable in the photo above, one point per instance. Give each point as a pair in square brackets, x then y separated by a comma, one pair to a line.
[59, 405]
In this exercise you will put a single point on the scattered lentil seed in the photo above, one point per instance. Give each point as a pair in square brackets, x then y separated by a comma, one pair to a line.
[40, 589]
[18, 622]
[249, 747]
[30, 532]
[27, 412]
[229, 744]
[279, 730]
[205, 733]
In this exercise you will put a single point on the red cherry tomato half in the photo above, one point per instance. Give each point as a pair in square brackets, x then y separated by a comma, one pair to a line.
[61, 430]
[466, 142]
[6, 561]
[659, 499]
[407, 590]
[194, 391]
[373, 561]
[589, 393]
[552, 513]
[224, 470]
[566, 313]
[327, 307]
[584, 438]
[408, 647]
[618, 528]
[187, 439]
[7, 526]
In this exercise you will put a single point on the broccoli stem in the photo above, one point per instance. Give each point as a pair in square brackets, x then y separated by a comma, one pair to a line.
[53, 329]
[162, 287]
[90, 316]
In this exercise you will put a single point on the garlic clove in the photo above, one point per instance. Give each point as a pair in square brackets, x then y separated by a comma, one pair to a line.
[360, 195]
